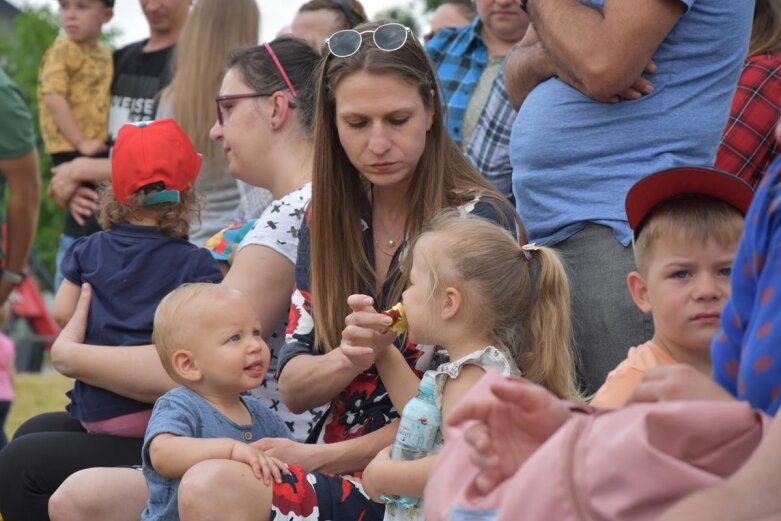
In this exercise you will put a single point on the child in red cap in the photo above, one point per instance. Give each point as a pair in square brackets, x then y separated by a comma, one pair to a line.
[141, 256]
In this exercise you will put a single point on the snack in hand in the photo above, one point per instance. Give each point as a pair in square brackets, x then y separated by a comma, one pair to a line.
[399, 324]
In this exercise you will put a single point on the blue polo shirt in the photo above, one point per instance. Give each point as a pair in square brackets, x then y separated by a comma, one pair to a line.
[130, 268]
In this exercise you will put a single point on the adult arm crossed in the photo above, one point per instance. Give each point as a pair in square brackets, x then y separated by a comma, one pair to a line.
[604, 51]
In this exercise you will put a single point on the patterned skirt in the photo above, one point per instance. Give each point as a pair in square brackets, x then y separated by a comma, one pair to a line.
[314, 496]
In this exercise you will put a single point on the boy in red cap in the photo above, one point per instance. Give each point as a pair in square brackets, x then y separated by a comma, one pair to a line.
[687, 223]
[141, 256]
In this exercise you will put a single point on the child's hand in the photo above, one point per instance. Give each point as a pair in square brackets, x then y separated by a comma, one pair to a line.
[264, 467]
[91, 147]
[511, 423]
[367, 333]
[302, 454]
[677, 382]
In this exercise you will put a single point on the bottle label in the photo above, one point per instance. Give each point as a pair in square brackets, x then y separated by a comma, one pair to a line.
[417, 432]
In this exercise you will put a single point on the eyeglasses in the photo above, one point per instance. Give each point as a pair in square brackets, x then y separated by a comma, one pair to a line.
[387, 37]
[219, 99]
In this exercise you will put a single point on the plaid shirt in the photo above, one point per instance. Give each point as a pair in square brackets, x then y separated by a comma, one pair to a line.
[459, 55]
[748, 145]
[489, 149]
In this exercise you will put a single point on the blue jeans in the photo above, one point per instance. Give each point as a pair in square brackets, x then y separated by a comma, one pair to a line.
[66, 241]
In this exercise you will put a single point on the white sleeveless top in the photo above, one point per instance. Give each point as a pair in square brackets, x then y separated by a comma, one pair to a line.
[487, 358]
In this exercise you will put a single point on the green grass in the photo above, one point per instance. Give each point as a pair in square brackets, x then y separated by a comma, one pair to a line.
[37, 393]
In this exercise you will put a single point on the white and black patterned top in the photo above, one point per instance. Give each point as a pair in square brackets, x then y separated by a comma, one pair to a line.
[277, 228]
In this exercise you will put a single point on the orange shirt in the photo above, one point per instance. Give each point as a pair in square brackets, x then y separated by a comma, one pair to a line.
[623, 379]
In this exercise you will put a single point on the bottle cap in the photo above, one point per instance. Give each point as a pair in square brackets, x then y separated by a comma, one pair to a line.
[428, 383]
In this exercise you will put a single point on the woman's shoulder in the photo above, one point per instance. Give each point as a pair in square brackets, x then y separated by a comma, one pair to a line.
[292, 205]
[280, 224]
[493, 208]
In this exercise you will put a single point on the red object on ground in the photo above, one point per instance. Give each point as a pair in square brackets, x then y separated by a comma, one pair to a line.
[27, 302]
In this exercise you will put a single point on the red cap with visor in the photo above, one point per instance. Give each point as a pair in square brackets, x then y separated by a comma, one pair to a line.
[653, 190]
[153, 152]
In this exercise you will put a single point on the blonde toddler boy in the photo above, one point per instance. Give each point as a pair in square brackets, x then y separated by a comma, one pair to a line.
[208, 338]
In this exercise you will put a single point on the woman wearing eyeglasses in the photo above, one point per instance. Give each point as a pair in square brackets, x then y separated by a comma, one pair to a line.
[383, 166]
[265, 112]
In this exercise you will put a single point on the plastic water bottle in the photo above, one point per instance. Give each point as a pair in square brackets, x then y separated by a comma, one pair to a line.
[420, 422]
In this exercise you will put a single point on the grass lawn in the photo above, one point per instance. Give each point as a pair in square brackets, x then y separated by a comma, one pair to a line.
[37, 393]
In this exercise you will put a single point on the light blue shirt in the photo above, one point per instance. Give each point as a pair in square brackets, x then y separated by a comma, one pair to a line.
[183, 412]
[574, 158]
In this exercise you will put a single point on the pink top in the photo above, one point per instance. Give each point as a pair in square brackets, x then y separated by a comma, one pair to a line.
[7, 359]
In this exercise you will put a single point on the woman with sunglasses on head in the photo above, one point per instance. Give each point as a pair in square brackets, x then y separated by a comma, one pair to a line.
[384, 165]
[265, 111]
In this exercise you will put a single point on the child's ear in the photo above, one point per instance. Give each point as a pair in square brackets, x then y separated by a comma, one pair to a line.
[184, 364]
[638, 289]
[452, 303]
[108, 14]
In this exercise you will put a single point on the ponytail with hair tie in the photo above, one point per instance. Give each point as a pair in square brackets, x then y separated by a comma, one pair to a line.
[528, 248]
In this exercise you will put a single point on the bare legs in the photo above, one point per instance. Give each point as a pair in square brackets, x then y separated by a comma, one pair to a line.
[110, 494]
[223, 489]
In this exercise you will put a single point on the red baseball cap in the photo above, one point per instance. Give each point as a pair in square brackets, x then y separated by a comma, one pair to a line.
[653, 190]
[153, 152]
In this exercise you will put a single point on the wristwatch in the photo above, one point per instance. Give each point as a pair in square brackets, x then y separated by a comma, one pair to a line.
[13, 278]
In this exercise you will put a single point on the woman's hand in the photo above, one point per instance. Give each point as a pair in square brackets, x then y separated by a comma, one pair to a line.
[366, 334]
[289, 451]
[511, 422]
[264, 466]
[677, 382]
[73, 333]
[63, 185]
[83, 204]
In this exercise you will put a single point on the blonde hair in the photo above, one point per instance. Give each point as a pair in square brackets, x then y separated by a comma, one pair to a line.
[766, 31]
[172, 218]
[696, 219]
[213, 29]
[172, 317]
[443, 178]
[522, 305]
